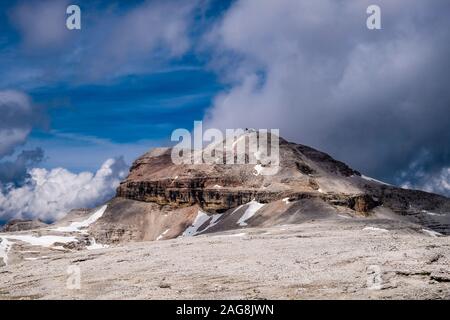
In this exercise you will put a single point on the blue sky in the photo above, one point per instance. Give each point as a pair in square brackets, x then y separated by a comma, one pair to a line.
[121, 111]
[127, 110]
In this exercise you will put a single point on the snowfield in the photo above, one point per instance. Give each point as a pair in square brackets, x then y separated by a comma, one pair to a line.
[44, 241]
[47, 241]
[253, 207]
[78, 226]
[201, 219]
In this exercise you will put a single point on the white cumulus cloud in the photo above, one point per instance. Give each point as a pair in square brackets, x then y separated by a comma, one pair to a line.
[49, 194]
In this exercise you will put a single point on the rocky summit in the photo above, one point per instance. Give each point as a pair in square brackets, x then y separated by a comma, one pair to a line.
[315, 216]
[159, 195]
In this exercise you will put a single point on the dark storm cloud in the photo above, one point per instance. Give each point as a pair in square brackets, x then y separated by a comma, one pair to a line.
[15, 172]
[377, 99]
[18, 115]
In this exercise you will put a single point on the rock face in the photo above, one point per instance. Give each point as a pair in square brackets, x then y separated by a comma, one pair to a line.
[220, 187]
[156, 188]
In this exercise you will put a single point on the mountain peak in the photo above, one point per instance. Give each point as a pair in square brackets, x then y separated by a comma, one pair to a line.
[307, 179]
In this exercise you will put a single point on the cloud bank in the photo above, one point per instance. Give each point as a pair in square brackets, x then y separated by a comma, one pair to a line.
[373, 98]
[49, 195]
[18, 116]
[116, 38]
[16, 172]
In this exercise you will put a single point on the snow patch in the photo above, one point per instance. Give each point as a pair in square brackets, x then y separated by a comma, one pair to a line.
[217, 186]
[258, 168]
[375, 229]
[235, 210]
[286, 200]
[231, 235]
[236, 235]
[201, 218]
[94, 245]
[5, 246]
[198, 222]
[213, 221]
[162, 235]
[432, 213]
[374, 180]
[238, 140]
[253, 207]
[432, 233]
[77, 226]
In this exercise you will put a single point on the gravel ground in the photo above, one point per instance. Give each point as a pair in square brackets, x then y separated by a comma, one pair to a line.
[322, 259]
